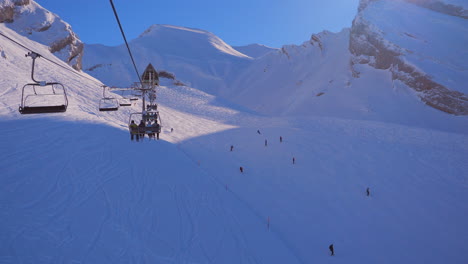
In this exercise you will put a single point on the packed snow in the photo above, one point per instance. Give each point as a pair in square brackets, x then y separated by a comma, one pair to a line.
[76, 189]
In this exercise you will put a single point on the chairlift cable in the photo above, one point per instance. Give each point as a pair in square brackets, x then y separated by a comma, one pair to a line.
[125, 39]
[51, 61]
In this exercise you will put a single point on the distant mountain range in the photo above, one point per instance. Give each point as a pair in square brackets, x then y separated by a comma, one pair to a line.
[415, 44]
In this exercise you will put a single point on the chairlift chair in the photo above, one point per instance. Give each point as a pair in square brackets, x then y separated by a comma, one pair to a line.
[108, 104]
[125, 102]
[42, 97]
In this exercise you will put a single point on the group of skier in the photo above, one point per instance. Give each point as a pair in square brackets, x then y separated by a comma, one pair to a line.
[241, 169]
[139, 131]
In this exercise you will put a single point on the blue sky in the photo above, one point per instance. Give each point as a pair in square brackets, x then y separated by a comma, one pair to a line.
[270, 22]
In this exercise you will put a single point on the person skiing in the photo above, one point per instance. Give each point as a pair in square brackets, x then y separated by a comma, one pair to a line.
[294, 160]
[281, 139]
[258, 131]
[266, 143]
[232, 147]
[332, 250]
[134, 131]
[368, 191]
[241, 169]
[172, 129]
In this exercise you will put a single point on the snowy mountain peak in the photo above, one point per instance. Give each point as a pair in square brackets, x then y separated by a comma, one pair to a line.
[153, 29]
[193, 39]
[35, 22]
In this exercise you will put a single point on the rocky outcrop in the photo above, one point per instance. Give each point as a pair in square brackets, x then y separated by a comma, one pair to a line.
[441, 7]
[33, 21]
[369, 46]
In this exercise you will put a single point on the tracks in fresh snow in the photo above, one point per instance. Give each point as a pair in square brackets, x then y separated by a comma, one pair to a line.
[92, 196]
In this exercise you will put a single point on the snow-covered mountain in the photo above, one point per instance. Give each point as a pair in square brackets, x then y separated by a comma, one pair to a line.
[35, 22]
[197, 57]
[254, 50]
[408, 52]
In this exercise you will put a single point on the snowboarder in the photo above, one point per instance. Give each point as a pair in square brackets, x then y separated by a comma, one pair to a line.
[266, 143]
[258, 131]
[368, 191]
[294, 160]
[281, 139]
[241, 169]
[332, 250]
[232, 147]
[134, 131]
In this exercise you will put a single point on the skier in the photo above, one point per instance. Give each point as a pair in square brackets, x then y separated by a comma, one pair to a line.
[332, 250]
[134, 131]
[172, 129]
[258, 131]
[241, 169]
[148, 124]
[294, 160]
[266, 143]
[158, 129]
[281, 139]
[368, 191]
[232, 147]
[141, 129]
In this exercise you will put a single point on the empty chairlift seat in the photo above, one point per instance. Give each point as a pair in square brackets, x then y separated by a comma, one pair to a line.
[39, 98]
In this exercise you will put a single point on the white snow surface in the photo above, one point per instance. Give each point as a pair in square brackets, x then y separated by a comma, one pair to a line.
[254, 50]
[75, 189]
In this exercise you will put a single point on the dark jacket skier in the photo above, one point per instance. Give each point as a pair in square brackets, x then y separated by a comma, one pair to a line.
[232, 147]
[332, 250]
[141, 128]
[241, 169]
[158, 129]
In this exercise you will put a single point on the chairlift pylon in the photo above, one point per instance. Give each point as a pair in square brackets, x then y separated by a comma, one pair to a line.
[42, 97]
[149, 113]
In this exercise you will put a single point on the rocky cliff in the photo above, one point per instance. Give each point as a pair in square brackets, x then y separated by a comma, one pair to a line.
[33, 21]
[422, 43]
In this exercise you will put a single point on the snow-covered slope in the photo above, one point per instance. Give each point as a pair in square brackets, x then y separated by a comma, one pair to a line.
[75, 189]
[254, 50]
[290, 79]
[421, 43]
[197, 57]
[33, 21]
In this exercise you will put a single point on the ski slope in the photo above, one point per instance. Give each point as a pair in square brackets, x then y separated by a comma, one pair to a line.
[75, 189]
